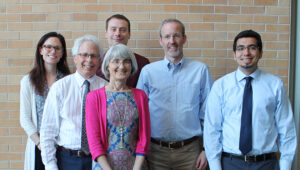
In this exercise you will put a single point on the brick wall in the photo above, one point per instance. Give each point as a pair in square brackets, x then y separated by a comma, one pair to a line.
[210, 24]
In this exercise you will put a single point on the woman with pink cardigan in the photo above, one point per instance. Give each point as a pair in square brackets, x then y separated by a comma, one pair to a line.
[117, 116]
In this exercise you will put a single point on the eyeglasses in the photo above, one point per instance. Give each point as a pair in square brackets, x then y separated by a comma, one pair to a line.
[175, 36]
[86, 55]
[50, 47]
[250, 48]
[118, 62]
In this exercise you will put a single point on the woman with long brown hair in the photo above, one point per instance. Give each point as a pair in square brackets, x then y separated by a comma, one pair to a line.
[50, 65]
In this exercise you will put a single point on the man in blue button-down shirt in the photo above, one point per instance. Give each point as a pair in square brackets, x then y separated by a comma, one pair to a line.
[272, 117]
[177, 88]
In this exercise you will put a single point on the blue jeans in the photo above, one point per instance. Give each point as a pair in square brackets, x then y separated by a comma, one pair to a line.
[67, 161]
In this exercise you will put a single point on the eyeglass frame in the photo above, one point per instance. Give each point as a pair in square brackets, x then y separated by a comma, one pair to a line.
[50, 47]
[87, 55]
[175, 36]
[251, 47]
[125, 62]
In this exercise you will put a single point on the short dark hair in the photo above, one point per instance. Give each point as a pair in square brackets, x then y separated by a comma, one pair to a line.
[248, 33]
[118, 16]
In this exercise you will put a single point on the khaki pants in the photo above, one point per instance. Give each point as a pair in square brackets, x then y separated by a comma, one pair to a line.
[163, 158]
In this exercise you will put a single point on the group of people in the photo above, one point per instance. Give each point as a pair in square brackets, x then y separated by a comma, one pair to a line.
[118, 111]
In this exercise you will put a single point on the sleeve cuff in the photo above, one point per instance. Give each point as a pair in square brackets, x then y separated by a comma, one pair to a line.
[31, 132]
[51, 166]
[140, 154]
[215, 164]
[285, 165]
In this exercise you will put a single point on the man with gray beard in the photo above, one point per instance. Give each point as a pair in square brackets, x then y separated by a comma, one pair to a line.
[177, 88]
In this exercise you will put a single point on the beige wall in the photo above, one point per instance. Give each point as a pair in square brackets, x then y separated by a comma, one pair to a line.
[211, 26]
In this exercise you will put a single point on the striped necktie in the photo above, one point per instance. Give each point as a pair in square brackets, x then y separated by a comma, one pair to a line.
[84, 142]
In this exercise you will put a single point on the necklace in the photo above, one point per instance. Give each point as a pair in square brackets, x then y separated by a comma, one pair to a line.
[121, 119]
[117, 86]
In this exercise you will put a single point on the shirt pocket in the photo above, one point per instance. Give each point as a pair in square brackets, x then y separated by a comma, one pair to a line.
[161, 92]
[188, 93]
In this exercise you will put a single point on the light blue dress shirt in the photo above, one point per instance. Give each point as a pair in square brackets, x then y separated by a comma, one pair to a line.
[177, 95]
[272, 118]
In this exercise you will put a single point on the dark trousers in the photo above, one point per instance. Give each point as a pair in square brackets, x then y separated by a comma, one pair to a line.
[68, 161]
[238, 164]
[38, 160]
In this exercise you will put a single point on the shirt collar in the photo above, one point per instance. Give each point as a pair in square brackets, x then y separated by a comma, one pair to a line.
[240, 75]
[170, 65]
[80, 80]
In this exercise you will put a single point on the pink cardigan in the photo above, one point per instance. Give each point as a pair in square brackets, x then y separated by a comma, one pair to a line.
[96, 122]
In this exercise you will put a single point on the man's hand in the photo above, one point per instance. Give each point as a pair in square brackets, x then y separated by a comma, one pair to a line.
[201, 163]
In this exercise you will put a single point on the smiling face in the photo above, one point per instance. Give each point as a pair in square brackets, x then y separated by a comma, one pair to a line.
[247, 54]
[119, 69]
[172, 41]
[117, 32]
[87, 59]
[51, 51]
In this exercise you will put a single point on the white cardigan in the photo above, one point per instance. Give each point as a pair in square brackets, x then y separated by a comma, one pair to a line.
[28, 119]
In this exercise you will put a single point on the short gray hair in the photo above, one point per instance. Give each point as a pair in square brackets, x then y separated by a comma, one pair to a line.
[122, 51]
[80, 40]
[171, 20]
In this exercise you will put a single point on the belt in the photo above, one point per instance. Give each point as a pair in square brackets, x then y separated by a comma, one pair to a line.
[78, 153]
[174, 145]
[250, 158]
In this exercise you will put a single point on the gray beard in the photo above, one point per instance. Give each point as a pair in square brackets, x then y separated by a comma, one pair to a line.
[174, 55]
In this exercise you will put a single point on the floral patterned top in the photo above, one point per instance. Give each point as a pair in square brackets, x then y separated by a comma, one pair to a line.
[121, 148]
[40, 101]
